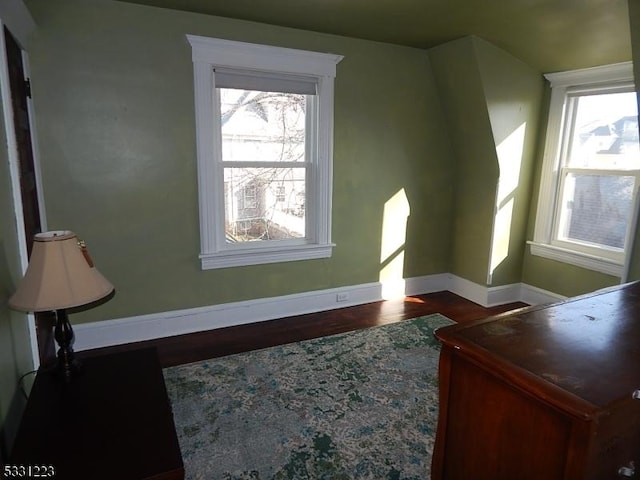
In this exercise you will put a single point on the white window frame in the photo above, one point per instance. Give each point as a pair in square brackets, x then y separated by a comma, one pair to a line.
[211, 53]
[544, 242]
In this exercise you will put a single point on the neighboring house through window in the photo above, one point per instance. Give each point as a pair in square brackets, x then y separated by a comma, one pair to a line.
[264, 126]
[591, 171]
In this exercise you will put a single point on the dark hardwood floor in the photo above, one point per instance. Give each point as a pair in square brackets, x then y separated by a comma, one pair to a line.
[215, 343]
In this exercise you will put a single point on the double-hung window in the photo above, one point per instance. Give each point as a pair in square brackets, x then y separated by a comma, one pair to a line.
[264, 128]
[591, 170]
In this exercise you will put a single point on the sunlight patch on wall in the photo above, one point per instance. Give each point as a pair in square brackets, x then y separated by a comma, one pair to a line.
[509, 153]
[501, 235]
[394, 237]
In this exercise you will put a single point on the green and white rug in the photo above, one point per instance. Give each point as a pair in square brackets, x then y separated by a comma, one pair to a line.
[359, 405]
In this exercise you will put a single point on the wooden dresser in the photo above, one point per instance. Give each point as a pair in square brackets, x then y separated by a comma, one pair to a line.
[543, 393]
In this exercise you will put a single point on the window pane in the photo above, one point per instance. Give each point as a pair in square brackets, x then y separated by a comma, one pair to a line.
[605, 131]
[262, 126]
[264, 203]
[595, 209]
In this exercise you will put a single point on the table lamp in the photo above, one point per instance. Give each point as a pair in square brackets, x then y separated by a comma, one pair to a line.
[60, 276]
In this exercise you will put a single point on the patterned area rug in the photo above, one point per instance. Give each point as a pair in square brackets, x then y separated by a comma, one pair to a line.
[358, 405]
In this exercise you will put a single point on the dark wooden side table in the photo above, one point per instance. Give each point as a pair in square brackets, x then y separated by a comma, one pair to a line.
[546, 393]
[113, 422]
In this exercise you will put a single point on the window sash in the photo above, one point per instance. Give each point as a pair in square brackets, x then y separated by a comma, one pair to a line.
[309, 232]
[591, 248]
[571, 104]
[311, 137]
[309, 165]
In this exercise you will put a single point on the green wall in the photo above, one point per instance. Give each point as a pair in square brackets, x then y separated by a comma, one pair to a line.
[14, 339]
[492, 101]
[475, 166]
[114, 90]
[113, 83]
[514, 93]
[15, 344]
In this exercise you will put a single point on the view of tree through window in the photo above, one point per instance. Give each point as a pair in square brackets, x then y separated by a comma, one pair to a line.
[599, 174]
[265, 164]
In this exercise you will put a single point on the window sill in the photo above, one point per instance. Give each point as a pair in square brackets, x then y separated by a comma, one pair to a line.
[590, 262]
[244, 257]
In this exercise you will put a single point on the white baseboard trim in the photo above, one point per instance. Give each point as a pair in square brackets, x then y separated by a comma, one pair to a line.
[537, 296]
[469, 290]
[166, 324]
[483, 295]
[178, 322]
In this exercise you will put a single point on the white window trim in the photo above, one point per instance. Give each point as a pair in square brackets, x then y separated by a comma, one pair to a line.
[542, 245]
[209, 53]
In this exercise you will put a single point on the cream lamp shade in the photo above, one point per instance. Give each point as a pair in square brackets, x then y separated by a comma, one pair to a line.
[60, 275]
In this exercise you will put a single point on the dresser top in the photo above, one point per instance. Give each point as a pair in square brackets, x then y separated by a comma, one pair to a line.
[588, 346]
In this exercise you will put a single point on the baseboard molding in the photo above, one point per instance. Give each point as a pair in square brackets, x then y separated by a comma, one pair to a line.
[537, 296]
[469, 290]
[178, 322]
[166, 324]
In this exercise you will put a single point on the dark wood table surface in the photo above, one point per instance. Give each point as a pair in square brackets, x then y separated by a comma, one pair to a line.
[114, 421]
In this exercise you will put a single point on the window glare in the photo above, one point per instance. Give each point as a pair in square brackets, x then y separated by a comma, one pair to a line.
[605, 131]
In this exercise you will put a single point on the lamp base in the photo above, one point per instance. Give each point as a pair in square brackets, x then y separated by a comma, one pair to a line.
[68, 367]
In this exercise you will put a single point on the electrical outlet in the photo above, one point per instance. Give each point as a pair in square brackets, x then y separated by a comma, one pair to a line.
[342, 297]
